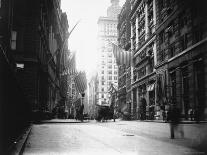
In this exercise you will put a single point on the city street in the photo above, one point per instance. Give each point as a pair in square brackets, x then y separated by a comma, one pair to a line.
[120, 137]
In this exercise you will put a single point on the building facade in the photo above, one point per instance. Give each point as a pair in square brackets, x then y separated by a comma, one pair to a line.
[143, 44]
[37, 43]
[107, 68]
[168, 41]
[32, 48]
[92, 97]
[181, 56]
[124, 72]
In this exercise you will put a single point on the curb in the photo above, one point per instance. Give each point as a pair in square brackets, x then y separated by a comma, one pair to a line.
[182, 122]
[21, 142]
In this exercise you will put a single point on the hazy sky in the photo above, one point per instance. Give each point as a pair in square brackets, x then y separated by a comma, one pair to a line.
[84, 37]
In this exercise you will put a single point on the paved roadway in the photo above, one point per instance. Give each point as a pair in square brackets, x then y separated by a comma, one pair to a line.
[121, 137]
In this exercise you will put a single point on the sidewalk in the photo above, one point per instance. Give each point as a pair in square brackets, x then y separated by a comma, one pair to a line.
[18, 147]
[182, 122]
[62, 121]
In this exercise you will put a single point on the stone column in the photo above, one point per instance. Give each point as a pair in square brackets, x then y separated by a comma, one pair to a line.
[146, 22]
[191, 85]
[132, 68]
[179, 89]
[154, 13]
[137, 32]
[137, 105]
[205, 88]
[155, 52]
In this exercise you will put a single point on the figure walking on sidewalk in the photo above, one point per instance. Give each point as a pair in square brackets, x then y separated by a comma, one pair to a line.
[174, 120]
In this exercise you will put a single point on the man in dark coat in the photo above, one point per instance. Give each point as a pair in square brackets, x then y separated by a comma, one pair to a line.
[81, 112]
[174, 118]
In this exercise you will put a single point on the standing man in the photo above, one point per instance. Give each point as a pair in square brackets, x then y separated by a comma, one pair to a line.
[174, 118]
[81, 112]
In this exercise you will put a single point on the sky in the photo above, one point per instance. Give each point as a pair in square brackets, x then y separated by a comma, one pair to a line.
[83, 39]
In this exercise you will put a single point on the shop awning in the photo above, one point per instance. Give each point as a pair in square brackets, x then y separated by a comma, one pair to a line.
[151, 87]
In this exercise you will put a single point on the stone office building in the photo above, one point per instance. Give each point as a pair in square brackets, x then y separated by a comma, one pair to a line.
[37, 39]
[181, 55]
[124, 73]
[143, 45]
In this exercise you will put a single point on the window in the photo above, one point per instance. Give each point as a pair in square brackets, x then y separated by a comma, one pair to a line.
[162, 37]
[102, 77]
[102, 95]
[115, 72]
[109, 72]
[102, 82]
[142, 72]
[173, 85]
[115, 77]
[183, 42]
[197, 36]
[13, 40]
[102, 72]
[172, 50]
[102, 89]
[161, 55]
[109, 77]
[109, 55]
[110, 66]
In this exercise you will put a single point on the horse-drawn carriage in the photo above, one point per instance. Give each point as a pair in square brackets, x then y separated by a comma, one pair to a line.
[105, 112]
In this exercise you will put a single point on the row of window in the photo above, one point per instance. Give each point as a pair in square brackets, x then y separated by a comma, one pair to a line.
[103, 82]
[109, 78]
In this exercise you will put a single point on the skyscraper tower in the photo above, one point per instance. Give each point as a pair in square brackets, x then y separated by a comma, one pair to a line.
[107, 68]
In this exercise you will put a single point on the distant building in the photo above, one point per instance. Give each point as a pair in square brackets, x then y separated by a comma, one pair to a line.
[107, 68]
[92, 96]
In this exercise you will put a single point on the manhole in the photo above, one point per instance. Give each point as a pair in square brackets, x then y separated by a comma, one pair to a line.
[128, 135]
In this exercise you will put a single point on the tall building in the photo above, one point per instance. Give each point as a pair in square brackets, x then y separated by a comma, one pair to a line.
[143, 45]
[181, 56]
[107, 68]
[92, 97]
[124, 72]
[31, 53]
[168, 41]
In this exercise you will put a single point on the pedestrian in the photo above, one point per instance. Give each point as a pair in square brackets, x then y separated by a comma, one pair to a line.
[164, 115]
[174, 120]
[114, 116]
[197, 114]
[81, 112]
[191, 114]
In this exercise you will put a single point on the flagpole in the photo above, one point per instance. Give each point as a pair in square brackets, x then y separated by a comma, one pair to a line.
[67, 37]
